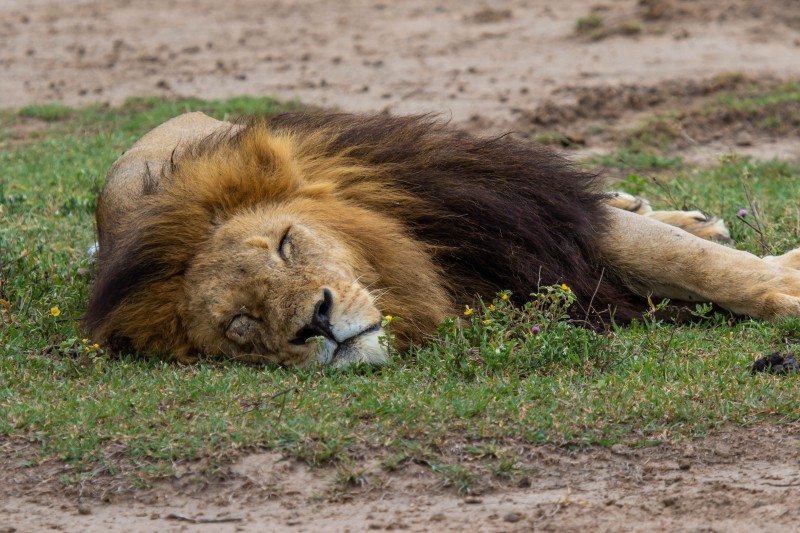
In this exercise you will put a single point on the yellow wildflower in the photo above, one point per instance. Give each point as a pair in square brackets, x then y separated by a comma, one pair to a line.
[55, 311]
[85, 341]
[491, 307]
[468, 312]
[96, 345]
[487, 322]
[388, 320]
[504, 297]
[565, 287]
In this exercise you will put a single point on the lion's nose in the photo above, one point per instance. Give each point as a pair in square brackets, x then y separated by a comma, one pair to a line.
[323, 309]
[320, 323]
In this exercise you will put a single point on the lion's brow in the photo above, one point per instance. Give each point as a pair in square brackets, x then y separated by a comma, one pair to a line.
[257, 242]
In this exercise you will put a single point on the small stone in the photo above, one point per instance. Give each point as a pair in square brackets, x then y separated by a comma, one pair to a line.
[84, 510]
[511, 517]
[620, 449]
[574, 138]
[722, 450]
[744, 139]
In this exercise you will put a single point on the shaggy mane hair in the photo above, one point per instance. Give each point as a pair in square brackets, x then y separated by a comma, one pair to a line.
[488, 215]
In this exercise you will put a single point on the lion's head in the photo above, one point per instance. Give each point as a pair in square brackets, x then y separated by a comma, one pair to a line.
[272, 284]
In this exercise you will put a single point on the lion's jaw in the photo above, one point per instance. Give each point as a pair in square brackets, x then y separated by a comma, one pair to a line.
[269, 286]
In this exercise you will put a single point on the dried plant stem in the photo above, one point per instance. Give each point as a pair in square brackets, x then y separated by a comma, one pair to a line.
[758, 227]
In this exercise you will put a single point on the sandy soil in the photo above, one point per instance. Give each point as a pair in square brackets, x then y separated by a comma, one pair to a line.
[518, 65]
[738, 479]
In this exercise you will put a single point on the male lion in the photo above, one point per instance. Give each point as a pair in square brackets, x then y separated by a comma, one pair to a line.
[288, 239]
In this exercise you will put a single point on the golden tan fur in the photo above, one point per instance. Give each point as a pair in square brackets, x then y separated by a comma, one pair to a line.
[286, 243]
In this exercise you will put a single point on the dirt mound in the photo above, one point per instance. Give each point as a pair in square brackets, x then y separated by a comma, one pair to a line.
[756, 116]
[612, 102]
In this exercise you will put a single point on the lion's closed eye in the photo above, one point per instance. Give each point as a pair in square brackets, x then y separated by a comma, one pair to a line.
[285, 245]
[242, 329]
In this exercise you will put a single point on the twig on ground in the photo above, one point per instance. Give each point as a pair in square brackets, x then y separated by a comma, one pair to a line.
[283, 394]
[203, 519]
[591, 300]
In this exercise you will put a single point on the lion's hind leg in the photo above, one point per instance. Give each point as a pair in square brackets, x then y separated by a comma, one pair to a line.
[695, 222]
[629, 202]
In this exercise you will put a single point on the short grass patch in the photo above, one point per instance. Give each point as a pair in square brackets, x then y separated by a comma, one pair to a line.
[495, 375]
[46, 112]
[765, 108]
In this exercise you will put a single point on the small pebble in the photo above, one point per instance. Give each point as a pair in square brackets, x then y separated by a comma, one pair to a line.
[620, 449]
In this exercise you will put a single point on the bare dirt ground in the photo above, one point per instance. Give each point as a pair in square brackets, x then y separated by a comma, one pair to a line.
[738, 479]
[493, 67]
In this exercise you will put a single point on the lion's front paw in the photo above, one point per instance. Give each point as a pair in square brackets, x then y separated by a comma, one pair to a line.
[789, 259]
[779, 305]
[781, 292]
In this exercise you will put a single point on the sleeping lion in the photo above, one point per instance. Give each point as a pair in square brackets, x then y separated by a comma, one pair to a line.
[288, 239]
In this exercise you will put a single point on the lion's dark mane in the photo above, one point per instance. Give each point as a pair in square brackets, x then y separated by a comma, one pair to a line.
[502, 213]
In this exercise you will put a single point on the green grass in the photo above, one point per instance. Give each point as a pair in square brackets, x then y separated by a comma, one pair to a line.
[756, 100]
[597, 28]
[485, 382]
[46, 112]
[588, 24]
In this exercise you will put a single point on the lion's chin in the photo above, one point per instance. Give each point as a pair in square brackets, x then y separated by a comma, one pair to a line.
[368, 347]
